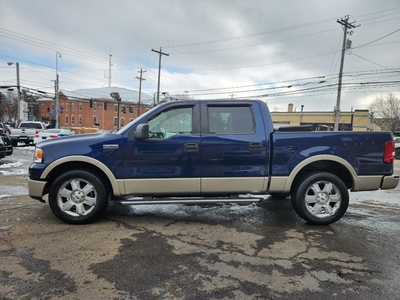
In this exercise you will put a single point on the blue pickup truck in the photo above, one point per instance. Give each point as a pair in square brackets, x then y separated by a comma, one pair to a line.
[210, 151]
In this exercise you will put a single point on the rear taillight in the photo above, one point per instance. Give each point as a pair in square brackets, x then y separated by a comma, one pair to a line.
[52, 136]
[36, 135]
[388, 152]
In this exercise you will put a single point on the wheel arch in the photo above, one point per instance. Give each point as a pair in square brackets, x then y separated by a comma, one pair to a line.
[81, 163]
[329, 163]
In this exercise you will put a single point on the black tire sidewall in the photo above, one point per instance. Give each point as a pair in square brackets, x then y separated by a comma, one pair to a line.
[92, 179]
[298, 198]
[397, 153]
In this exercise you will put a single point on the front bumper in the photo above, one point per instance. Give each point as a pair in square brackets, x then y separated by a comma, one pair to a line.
[36, 189]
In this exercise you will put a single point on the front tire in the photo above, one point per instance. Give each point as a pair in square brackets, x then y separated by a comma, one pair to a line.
[77, 197]
[321, 198]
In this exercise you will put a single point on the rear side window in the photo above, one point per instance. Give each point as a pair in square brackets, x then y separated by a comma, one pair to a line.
[230, 120]
[31, 125]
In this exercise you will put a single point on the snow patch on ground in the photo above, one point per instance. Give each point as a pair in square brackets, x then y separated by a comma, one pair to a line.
[19, 163]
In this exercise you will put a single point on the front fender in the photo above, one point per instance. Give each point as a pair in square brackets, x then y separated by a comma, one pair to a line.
[117, 185]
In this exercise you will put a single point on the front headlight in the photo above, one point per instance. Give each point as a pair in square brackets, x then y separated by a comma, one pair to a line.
[38, 155]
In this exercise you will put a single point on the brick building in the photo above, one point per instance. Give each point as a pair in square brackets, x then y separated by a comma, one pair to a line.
[94, 108]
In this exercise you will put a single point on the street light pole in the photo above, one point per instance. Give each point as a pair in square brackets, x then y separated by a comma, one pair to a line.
[18, 92]
[58, 54]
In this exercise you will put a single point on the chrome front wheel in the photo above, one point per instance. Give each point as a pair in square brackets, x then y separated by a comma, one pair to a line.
[77, 197]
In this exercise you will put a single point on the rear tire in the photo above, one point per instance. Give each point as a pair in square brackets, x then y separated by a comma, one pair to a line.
[320, 198]
[77, 197]
[397, 153]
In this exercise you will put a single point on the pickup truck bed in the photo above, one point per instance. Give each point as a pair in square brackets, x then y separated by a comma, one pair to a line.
[210, 151]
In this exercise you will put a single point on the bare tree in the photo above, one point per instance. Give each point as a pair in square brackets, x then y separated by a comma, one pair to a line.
[387, 107]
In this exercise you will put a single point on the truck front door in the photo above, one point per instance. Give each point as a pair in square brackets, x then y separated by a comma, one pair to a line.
[169, 161]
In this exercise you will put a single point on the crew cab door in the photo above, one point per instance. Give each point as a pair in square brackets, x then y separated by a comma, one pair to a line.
[169, 160]
[234, 148]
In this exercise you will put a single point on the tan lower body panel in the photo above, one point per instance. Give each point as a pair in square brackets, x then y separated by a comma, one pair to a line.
[234, 185]
[367, 183]
[162, 186]
[196, 185]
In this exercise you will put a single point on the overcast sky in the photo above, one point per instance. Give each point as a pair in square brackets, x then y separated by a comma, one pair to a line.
[280, 51]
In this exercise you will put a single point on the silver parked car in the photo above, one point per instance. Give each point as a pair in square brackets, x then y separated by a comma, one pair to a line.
[51, 134]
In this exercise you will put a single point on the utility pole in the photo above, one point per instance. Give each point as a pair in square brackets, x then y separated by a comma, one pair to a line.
[345, 25]
[58, 54]
[109, 69]
[18, 93]
[140, 88]
[159, 70]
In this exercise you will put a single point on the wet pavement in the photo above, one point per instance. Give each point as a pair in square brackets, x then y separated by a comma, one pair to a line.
[262, 251]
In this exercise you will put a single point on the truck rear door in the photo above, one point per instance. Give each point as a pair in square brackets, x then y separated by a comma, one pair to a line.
[234, 147]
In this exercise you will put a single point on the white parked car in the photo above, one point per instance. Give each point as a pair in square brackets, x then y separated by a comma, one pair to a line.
[51, 134]
[397, 146]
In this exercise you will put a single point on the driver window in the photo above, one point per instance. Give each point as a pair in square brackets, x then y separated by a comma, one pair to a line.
[171, 122]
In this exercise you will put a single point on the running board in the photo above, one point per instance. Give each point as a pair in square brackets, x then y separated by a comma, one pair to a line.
[188, 201]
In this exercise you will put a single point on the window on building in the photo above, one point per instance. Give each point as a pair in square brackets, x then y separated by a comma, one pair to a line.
[115, 122]
[94, 119]
[66, 106]
[94, 105]
[122, 122]
[80, 106]
[116, 107]
[42, 107]
[230, 120]
[72, 106]
[66, 119]
[80, 120]
[52, 106]
[72, 120]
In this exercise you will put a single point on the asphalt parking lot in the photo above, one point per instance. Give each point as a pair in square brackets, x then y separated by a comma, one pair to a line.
[198, 252]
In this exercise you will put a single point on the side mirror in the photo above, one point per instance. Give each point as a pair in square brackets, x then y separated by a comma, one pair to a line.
[142, 132]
